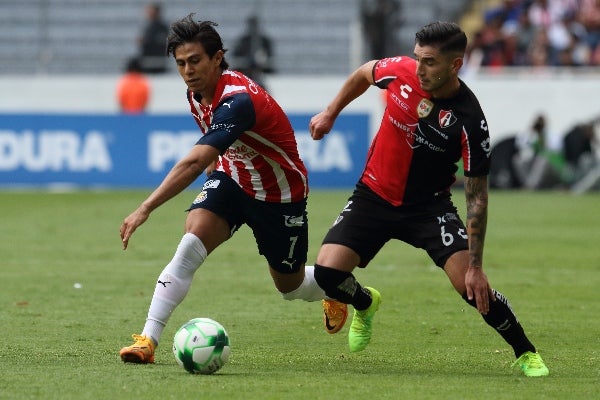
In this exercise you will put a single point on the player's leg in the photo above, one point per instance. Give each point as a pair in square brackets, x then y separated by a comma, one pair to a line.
[209, 223]
[357, 235]
[341, 284]
[204, 232]
[281, 233]
[500, 317]
[444, 237]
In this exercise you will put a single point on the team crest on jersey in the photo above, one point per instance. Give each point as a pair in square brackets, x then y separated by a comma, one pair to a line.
[201, 197]
[424, 108]
[446, 118]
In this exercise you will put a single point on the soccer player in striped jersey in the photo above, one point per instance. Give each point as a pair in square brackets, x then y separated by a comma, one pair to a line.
[432, 120]
[255, 177]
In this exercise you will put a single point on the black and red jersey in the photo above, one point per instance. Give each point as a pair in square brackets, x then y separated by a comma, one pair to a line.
[413, 156]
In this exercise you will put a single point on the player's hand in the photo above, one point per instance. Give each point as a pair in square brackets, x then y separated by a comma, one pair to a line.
[320, 125]
[479, 288]
[130, 224]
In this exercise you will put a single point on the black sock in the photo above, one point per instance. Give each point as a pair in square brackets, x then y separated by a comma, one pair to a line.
[343, 287]
[503, 320]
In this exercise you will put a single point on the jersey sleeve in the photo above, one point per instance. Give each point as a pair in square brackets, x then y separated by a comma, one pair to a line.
[476, 148]
[233, 116]
[388, 69]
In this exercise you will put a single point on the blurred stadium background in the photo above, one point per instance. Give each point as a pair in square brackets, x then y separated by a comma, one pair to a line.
[65, 56]
[97, 36]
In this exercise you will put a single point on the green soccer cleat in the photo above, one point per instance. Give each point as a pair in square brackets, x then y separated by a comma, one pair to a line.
[532, 364]
[359, 335]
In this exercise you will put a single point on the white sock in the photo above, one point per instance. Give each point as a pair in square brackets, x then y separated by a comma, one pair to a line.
[173, 284]
[308, 290]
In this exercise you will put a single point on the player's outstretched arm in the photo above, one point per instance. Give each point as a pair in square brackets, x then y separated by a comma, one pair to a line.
[179, 178]
[357, 83]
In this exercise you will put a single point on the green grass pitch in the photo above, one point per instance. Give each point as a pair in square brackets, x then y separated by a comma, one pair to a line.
[60, 341]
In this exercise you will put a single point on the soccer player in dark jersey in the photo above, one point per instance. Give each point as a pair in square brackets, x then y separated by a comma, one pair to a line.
[255, 177]
[431, 121]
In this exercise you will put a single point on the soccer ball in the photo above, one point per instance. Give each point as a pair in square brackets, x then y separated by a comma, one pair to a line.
[201, 346]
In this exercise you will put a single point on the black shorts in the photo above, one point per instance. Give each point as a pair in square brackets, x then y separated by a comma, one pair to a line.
[280, 229]
[367, 222]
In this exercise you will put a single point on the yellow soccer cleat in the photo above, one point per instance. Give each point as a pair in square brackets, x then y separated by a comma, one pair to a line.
[335, 315]
[141, 352]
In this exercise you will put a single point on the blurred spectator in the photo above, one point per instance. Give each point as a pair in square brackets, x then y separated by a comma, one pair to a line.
[380, 20]
[489, 45]
[568, 39]
[133, 89]
[520, 39]
[152, 43]
[503, 173]
[253, 52]
[589, 16]
[537, 166]
[538, 53]
[579, 150]
[508, 11]
[539, 33]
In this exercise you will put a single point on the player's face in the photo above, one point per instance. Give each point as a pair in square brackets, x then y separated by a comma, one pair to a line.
[437, 72]
[199, 71]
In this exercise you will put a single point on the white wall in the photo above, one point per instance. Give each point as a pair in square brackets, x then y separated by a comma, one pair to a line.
[509, 101]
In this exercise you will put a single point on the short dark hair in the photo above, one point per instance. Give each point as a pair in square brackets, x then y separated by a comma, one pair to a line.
[446, 36]
[187, 30]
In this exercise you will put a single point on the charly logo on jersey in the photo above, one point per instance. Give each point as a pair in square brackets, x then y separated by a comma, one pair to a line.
[424, 108]
[485, 145]
[446, 118]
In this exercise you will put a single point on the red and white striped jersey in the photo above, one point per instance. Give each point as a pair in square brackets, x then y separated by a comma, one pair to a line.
[255, 138]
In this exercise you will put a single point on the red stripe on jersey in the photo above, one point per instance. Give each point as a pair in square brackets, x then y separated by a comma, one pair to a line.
[466, 149]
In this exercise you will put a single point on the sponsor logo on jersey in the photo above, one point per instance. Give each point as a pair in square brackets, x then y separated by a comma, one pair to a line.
[291, 221]
[446, 118]
[424, 108]
[211, 184]
[418, 139]
[240, 151]
[201, 197]
[222, 127]
[399, 101]
[405, 128]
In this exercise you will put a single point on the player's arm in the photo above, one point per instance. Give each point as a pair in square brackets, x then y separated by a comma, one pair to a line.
[476, 192]
[357, 83]
[230, 119]
[180, 177]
